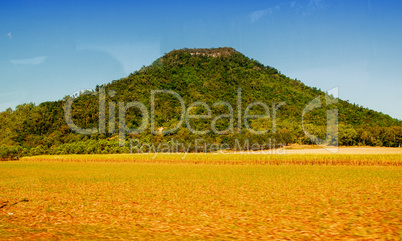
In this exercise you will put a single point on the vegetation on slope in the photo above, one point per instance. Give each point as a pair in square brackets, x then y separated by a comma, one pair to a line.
[207, 75]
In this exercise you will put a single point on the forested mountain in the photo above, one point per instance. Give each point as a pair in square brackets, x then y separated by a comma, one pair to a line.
[211, 76]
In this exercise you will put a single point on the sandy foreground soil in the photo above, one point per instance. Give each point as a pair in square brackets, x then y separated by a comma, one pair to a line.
[343, 150]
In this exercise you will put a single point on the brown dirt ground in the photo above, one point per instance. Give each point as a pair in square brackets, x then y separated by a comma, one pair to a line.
[296, 149]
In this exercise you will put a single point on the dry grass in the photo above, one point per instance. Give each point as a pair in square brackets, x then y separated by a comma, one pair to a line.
[236, 159]
[126, 197]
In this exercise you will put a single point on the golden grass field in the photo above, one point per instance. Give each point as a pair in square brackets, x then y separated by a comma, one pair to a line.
[197, 196]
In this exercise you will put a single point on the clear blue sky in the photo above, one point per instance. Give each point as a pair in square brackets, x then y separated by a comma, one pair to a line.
[50, 49]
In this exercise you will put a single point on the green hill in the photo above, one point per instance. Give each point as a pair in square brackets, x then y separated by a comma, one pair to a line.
[211, 76]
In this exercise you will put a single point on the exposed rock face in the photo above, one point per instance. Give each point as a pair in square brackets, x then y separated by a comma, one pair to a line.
[214, 52]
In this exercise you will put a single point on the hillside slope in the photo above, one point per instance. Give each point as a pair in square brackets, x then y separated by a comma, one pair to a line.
[211, 76]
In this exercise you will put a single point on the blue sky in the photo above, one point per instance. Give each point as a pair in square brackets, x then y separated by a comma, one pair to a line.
[50, 49]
